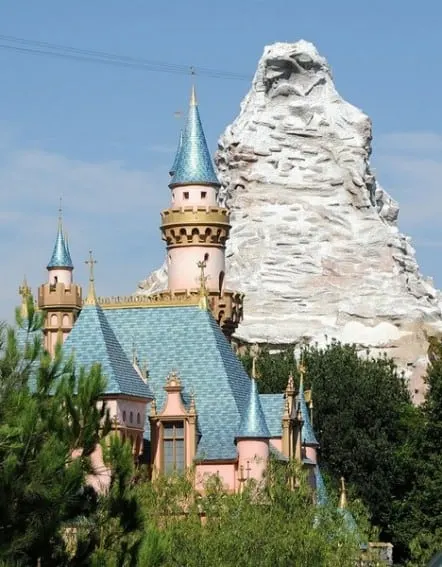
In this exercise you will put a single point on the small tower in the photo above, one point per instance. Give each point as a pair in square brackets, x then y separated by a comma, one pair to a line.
[60, 298]
[252, 439]
[196, 228]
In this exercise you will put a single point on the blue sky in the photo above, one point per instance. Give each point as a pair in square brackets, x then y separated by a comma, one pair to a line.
[104, 137]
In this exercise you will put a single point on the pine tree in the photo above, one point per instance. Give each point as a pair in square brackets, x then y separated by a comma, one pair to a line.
[48, 414]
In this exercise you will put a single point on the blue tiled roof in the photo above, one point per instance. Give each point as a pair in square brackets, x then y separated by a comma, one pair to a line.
[194, 164]
[273, 408]
[61, 257]
[308, 435]
[321, 491]
[189, 341]
[253, 423]
[177, 155]
[93, 340]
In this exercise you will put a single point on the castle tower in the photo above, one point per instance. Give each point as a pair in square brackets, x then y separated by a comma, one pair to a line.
[252, 439]
[196, 228]
[59, 298]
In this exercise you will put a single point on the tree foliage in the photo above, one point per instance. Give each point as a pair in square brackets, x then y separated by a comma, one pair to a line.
[367, 427]
[51, 420]
[271, 525]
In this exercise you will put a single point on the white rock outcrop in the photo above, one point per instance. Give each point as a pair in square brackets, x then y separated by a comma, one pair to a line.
[314, 243]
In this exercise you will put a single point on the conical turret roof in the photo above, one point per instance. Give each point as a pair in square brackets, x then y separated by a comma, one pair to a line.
[193, 164]
[61, 257]
[253, 423]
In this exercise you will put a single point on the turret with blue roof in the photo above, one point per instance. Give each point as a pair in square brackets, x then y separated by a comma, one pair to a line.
[60, 299]
[61, 257]
[193, 164]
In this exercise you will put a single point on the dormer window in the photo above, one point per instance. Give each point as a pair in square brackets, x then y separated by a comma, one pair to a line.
[173, 446]
[173, 430]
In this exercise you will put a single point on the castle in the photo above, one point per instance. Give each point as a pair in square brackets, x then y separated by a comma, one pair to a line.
[175, 388]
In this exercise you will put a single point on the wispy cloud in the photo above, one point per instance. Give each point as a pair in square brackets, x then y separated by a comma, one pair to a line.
[409, 164]
[108, 207]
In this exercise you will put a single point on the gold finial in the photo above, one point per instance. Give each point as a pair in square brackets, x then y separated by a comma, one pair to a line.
[287, 408]
[153, 408]
[301, 370]
[343, 496]
[192, 406]
[145, 370]
[310, 405]
[204, 301]
[60, 211]
[254, 373]
[290, 384]
[193, 101]
[24, 290]
[91, 298]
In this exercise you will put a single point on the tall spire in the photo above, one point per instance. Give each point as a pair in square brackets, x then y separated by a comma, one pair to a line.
[91, 298]
[308, 435]
[193, 163]
[253, 423]
[61, 257]
[343, 495]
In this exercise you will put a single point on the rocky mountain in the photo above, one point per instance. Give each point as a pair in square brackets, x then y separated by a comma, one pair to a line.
[314, 244]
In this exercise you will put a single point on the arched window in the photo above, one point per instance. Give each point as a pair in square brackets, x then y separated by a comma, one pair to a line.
[138, 418]
[124, 416]
[131, 417]
[206, 257]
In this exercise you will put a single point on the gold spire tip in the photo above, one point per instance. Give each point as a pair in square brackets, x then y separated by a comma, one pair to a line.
[91, 298]
[193, 101]
[60, 210]
[204, 301]
[343, 496]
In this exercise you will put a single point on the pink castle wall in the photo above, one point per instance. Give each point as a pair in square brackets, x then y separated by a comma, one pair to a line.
[195, 196]
[253, 454]
[183, 269]
[226, 472]
[63, 276]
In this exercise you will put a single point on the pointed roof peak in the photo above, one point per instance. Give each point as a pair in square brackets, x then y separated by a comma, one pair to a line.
[253, 423]
[193, 99]
[308, 434]
[91, 298]
[193, 162]
[343, 495]
[61, 257]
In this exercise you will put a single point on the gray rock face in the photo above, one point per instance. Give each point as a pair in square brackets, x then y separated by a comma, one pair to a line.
[314, 243]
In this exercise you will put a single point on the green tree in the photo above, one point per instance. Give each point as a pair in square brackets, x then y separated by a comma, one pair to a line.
[47, 411]
[422, 511]
[365, 422]
[268, 525]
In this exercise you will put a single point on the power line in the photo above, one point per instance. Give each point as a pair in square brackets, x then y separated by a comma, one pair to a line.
[45, 49]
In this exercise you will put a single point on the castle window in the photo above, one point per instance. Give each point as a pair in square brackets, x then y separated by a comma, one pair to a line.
[131, 417]
[203, 194]
[124, 416]
[138, 418]
[186, 194]
[173, 446]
